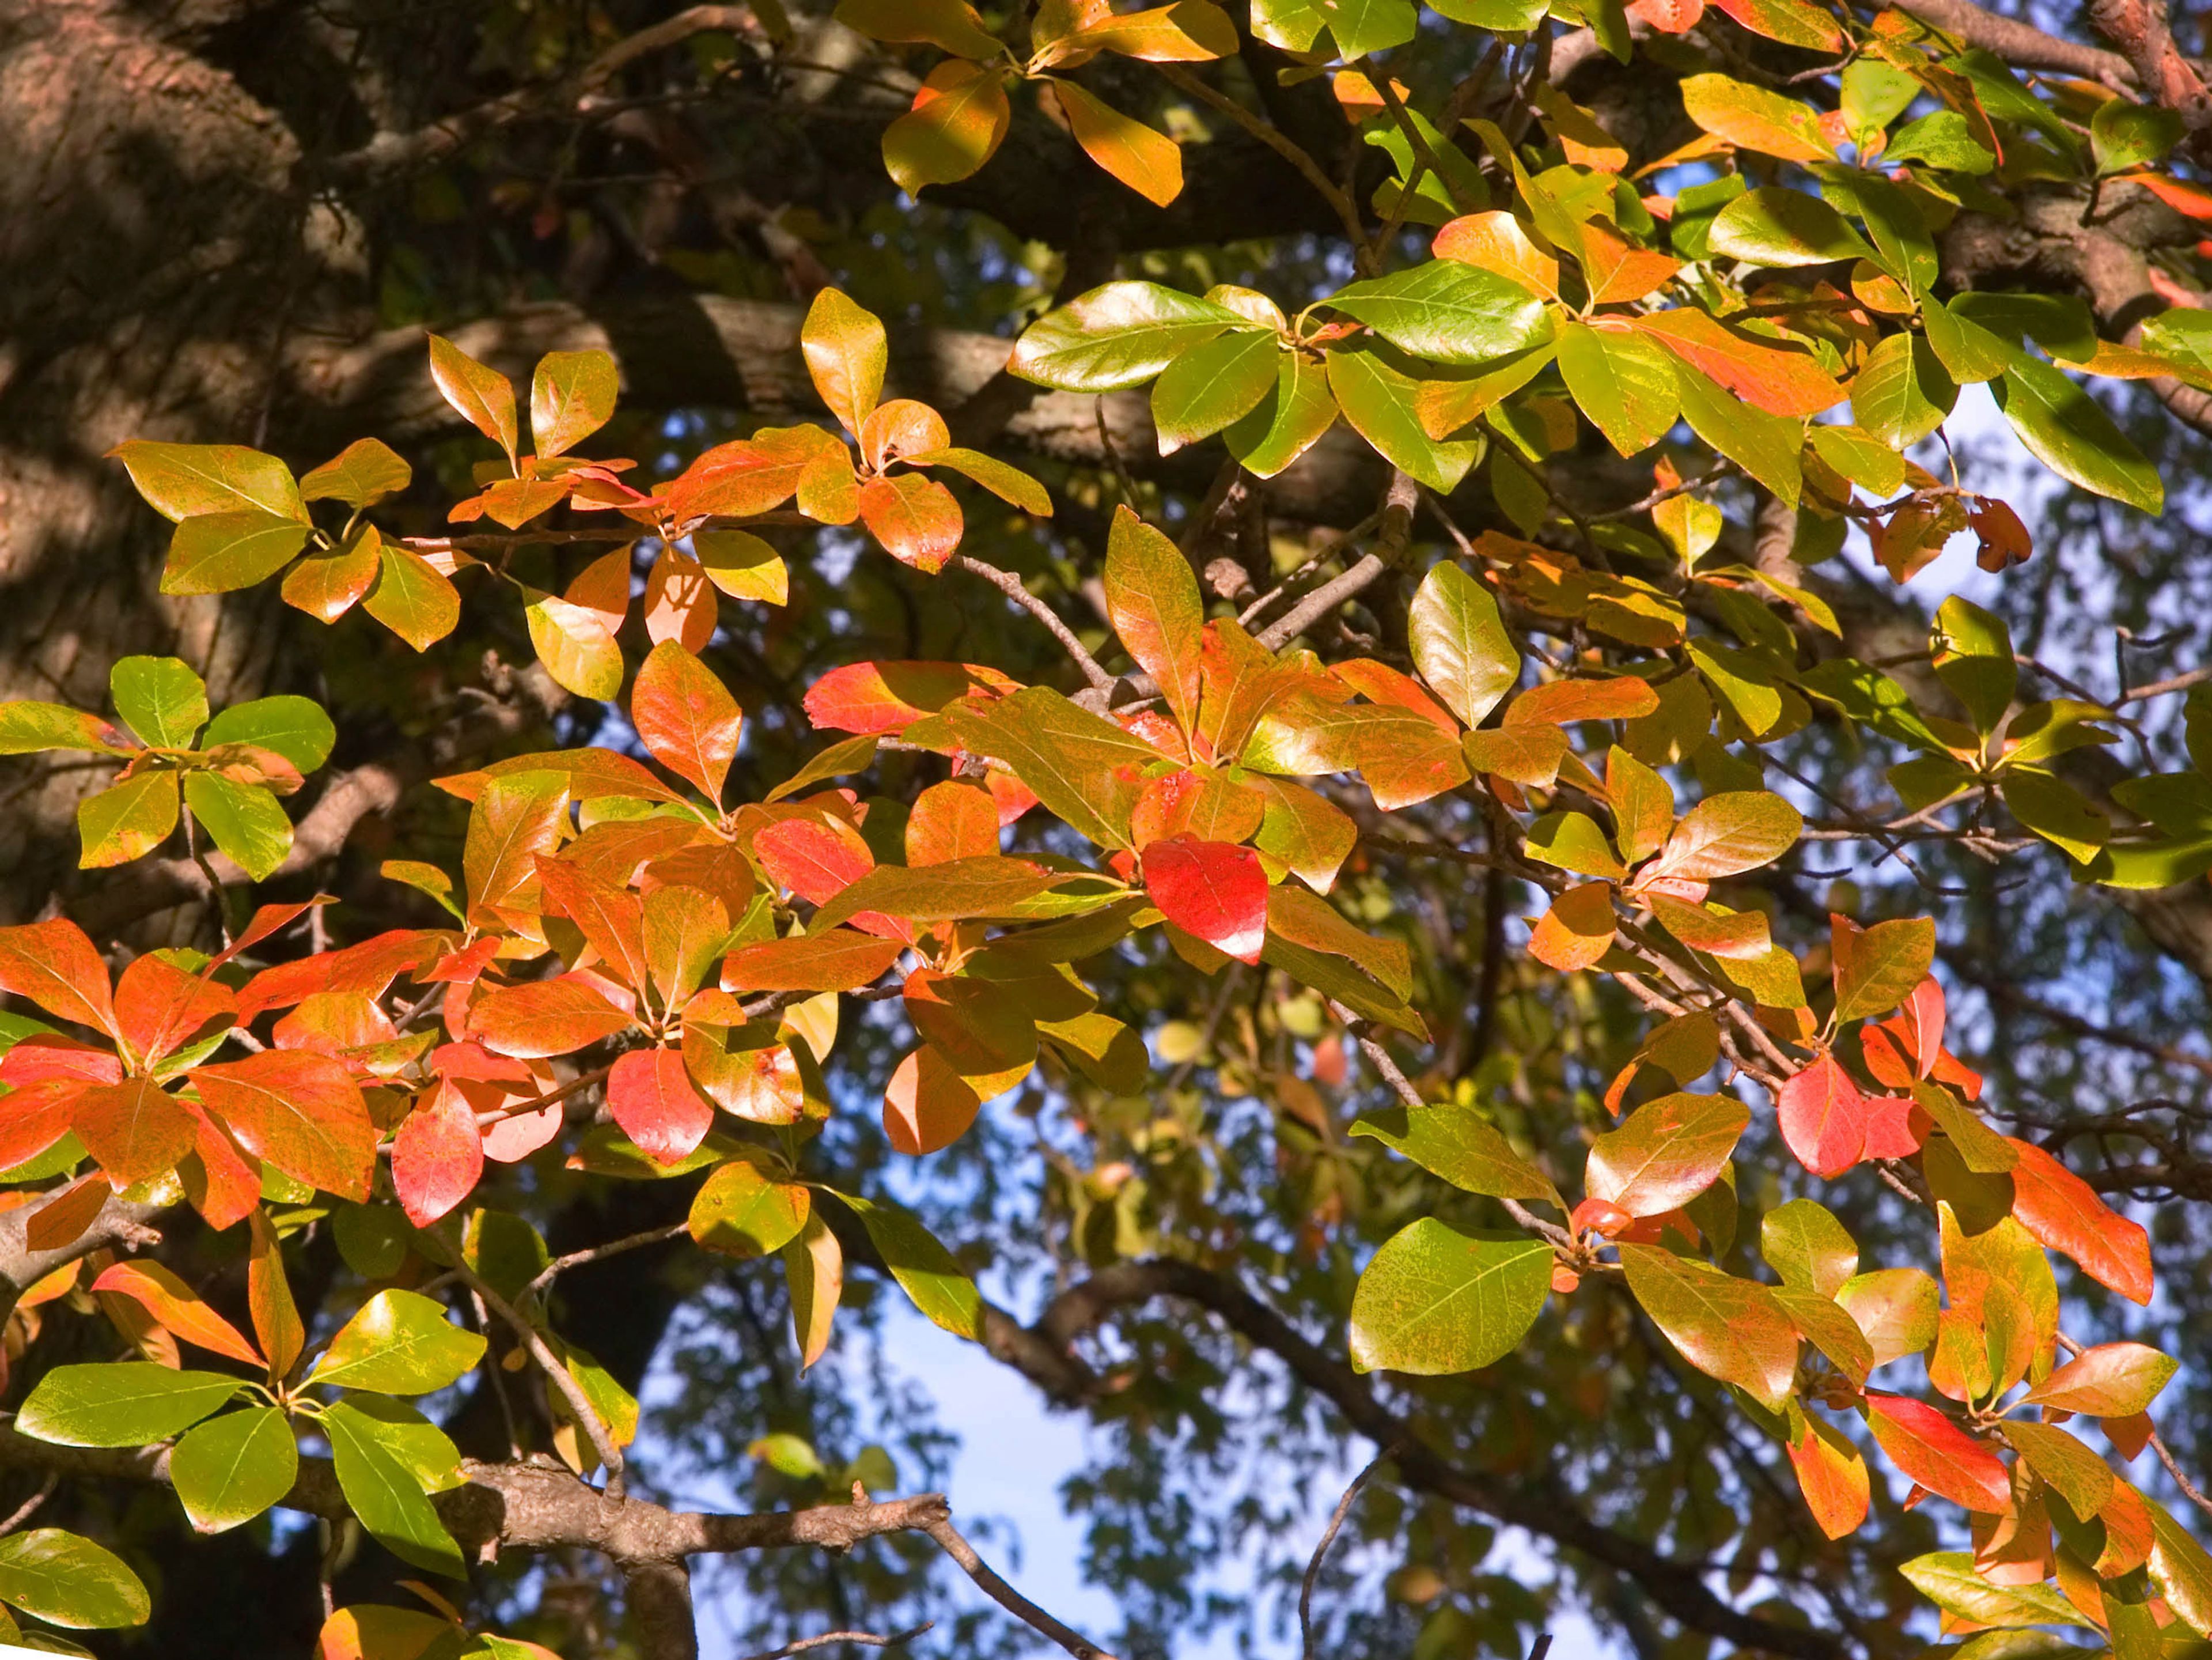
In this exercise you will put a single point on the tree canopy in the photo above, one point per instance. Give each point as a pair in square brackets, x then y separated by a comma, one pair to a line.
[1261, 705]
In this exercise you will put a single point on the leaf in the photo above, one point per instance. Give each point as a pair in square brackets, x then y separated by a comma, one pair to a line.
[925, 1270]
[545, 1017]
[2181, 1570]
[915, 518]
[28, 727]
[1151, 600]
[1729, 1328]
[361, 474]
[297, 728]
[184, 481]
[232, 1469]
[1362, 26]
[1211, 890]
[1120, 335]
[742, 1212]
[1755, 119]
[1902, 393]
[572, 396]
[1894, 1307]
[1460, 643]
[1832, 1477]
[1666, 1153]
[69, 1581]
[2065, 1214]
[1947, 1579]
[135, 1130]
[160, 699]
[54, 964]
[841, 960]
[2078, 1475]
[1381, 401]
[1767, 447]
[981, 886]
[1448, 312]
[742, 566]
[1785, 227]
[303, 1113]
[574, 644]
[928, 1105]
[1009, 483]
[438, 1156]
[1577, 929]
[1760, 373]
[1877, 968]
[2067, 430]
[1281, 429]
[216, 552]
[950, 25]
[1624, 382]
[413, 597]
[686, 718]
[1939, 1455]
[958, 121]
[127, 820]
[652, 1097]
[245, 820]
[2112, 1380]
[1435, 1299]
[179, 1308]
[1212, 386]
[814, 1273]
[482, 397]
[1459, 1144]
[129, 1403]
[1804, 1242]
[1727, 834]
[387, 1497]
[1069, 758]
[1148, 162]
[399, 1343]
[2123, 134]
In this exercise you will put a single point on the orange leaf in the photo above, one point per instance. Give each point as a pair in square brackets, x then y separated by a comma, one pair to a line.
[1832, 1477]
[303, 1113]
[927, 1105]
[1147, 162]
[1939, 1455]
[2065, 1215]
[177, 1307]
[915, 518]
[686, 718]
[1577, 930]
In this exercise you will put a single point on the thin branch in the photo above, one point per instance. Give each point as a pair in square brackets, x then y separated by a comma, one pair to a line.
[577, 1259]
[1009, 584]
[1327, 1538]
[866, 1639]
[948, 1539]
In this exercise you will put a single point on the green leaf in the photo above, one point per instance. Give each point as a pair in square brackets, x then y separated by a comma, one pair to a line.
[364, 472]
[182, 481]
[1942, 140]
[245, 820]
[1212, 386]
[1767, 447]
[1458, 1144]
[129, 1403]
[926, 1271]
[233, 1467]
[412, 1441]
[1804, 1242]
[134, 817]
[2062, 324]
[1624, 382]
[1666, 1153]
[1876, 969]
[1448, 312]
[2055, 811]
[29, 727]
[1120, 335]
[413, 597]
[2069, 432]
[743, 1212]
[1970, 353]
[1363, 26]
[387, 1497]
[1070, 758]
[1902, 394]
[572, 396]
[2123, 134]
[1153, 603]
[574, 644]
[216, 552]
[64, 1580]
[1282, 428]
[1785, 227]
[160, 699]
[1380, 401]
[400, 1343]
[1973, 655]
[1436, 1300]
[1947, 1579]
[296, 728]
[1460, 643]
[1729, 1328]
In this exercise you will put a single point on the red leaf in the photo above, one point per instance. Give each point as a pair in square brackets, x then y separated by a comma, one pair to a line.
[41, 1057]
[1824, 1118]
[54, 964]
[750, 476]
[369, 966]
[158, 1006]
[652, 1097]
[133, 1129]
[303, 1113]
[915, 518]
[611, 919]
[1939, 1455]
[33, 1117]
[888, 698]
[546, 1017]
[225, 1185]
[1889, 1131]
[62, 1219]
[175, 1304]
[1211, 890]
[437, 1156]
[686, 717]
[2065, 1214]
[927, 1105]
[812, 859]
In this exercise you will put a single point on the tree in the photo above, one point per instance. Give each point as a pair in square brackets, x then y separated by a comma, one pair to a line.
[1052, 810]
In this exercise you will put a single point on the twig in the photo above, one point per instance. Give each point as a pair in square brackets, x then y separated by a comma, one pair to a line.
[866, 1639]
[29, 1507]
[1327, 1538]
[1011, 585]
[577, 1259]
[939, 1528]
